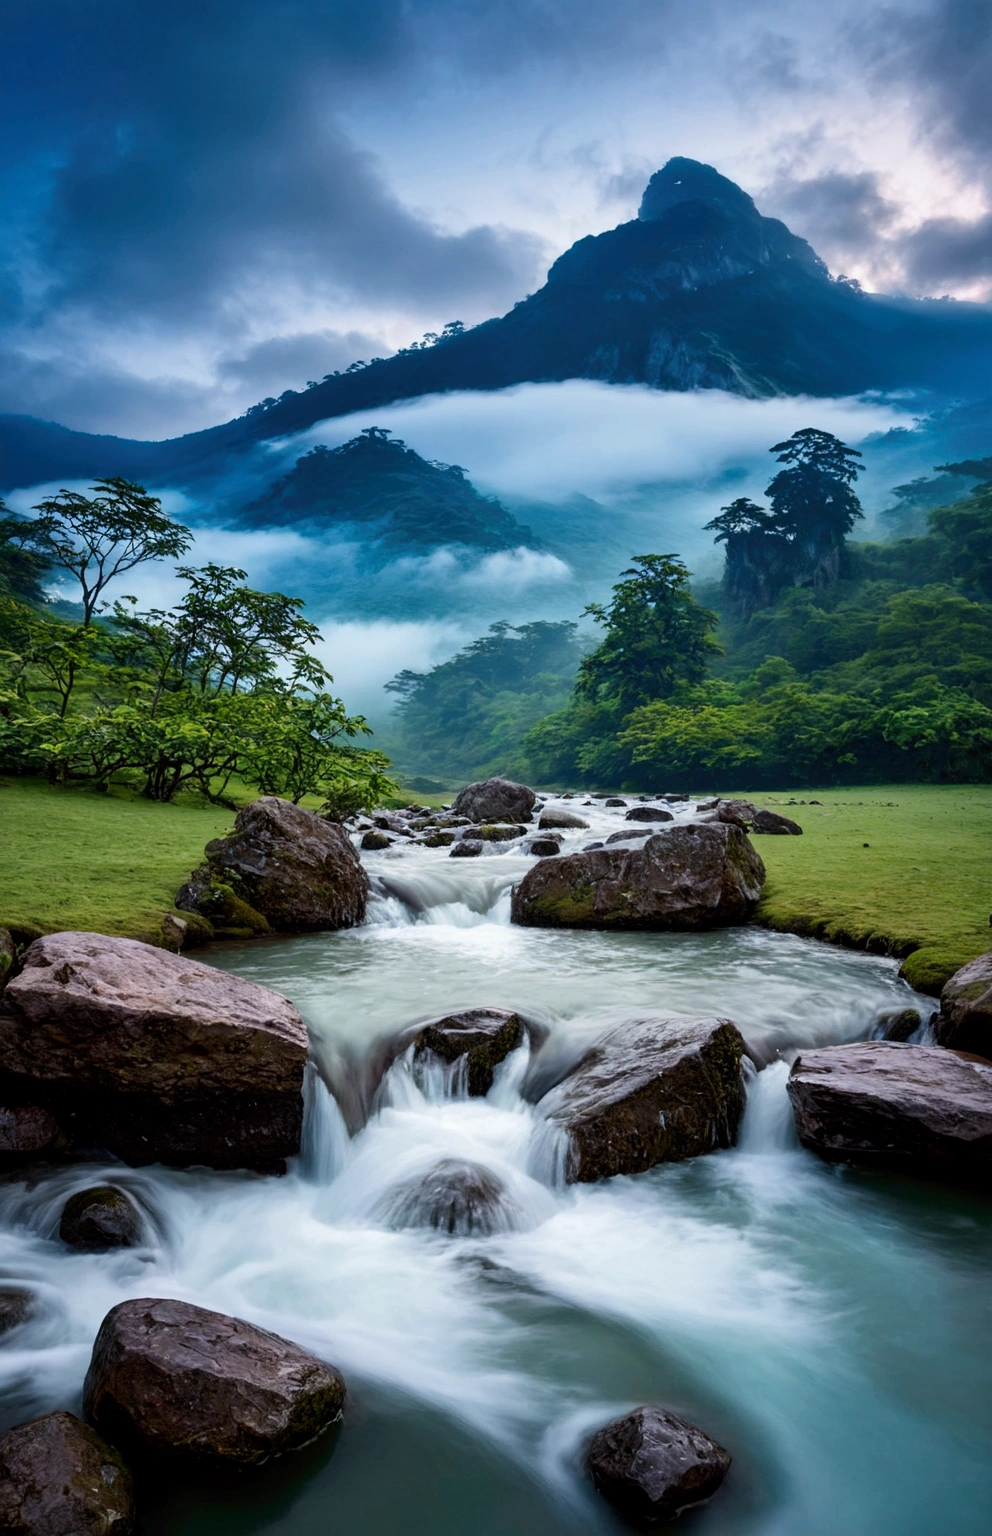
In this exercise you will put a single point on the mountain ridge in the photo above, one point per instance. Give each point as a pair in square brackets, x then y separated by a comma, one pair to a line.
[699, 291]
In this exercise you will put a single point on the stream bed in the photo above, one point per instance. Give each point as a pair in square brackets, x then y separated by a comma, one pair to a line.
[832, 1327]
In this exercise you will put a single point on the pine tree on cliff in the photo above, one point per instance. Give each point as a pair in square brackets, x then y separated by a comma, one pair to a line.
[813, 502]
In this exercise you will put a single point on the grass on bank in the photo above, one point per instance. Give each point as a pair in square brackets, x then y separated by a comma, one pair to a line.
[922, 887]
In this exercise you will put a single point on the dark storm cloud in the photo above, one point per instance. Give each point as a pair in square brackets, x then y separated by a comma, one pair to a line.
[948, 253]
[840, 211]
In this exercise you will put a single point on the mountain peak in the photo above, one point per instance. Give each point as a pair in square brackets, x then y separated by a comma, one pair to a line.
[687, 181]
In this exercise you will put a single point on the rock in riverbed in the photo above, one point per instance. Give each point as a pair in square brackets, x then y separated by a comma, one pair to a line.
[495, 800]
[480, 1038]
[648, 813]
[59, 1478]
[920, 1105]
[651, 1465]
[687, 876]
[460, 1198]
[173, 1378]
[100, 1218]
[964, 1022]
[16, 1306]
[550, 820]
[652, 1091]
[299, 872]
[153, 1056]
[26, 1132]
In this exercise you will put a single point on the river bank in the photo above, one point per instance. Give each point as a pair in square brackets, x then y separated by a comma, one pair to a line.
[902, 870]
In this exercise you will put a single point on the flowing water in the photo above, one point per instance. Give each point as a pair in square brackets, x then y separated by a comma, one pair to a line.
[831, 1327]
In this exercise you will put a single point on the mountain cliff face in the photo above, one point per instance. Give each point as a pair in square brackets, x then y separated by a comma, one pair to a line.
[377, 487]
[699, 291]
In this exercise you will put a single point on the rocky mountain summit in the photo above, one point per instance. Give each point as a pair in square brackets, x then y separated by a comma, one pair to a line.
[701, 290]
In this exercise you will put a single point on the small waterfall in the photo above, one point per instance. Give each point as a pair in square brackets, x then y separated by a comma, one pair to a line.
[325, 1144]
[768, 1124]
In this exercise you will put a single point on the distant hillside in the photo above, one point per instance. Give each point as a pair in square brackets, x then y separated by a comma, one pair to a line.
[699, 291]
[377, 482]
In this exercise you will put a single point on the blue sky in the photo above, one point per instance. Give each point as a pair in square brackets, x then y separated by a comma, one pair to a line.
[209, 202]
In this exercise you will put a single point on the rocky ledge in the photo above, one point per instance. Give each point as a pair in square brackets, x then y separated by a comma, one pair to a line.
[919, 1106]
[689, 875]
[153, 1056]
[653, 1091]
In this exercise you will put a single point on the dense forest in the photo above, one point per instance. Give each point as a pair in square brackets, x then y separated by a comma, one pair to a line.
[815, 660]
[224, 686]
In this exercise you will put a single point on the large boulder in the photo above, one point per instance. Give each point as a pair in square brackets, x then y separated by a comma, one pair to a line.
[652, 1091]
[649, 813]
[59, 1478]
[495, 800]
[687, 876]
[100, 1218]
[771, 822]
[170, 1377]
[478, 1038]
[964, 1022]
[927, 1108]
[651, 1465]
[460, 1198]
[553, 818]
[297, 871]
[153, 1056]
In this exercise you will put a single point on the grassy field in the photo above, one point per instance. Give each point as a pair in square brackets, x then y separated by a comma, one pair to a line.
[921, 888]
[903, 870]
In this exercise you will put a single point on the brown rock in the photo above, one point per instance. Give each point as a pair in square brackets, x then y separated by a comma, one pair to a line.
[58, 1478]
[27, 1131]
[652, 1091]
[920, 1105]
[648, 813]
[481, 1037]
[495, 800]
[651, 1465]
[299, 872]
[688, 876]
[543, 847]
[964, 1022]
[154, 1056]
[375, 841]
[100, 1218]
[174, 1378]
[466, 848]
[498, 832]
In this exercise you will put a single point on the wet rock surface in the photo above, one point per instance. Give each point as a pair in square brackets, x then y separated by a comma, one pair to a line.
[180, 1380]
[466, 848]
[549, 820]
[27, 1131]
[59, 1478]
[648, 813]
[495, 800]
[154, 1056]
[543, 847]
[897, 1024]
[921, 1106]
[688, 876]
[651, 1465]
[460, 1198]
[95, 1220]
[652, 1091]
[299, 872]
[964, 1022]
[479, 1037]
[17, 1304]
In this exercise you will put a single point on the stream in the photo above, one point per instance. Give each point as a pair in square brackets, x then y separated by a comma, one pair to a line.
[831, 1327]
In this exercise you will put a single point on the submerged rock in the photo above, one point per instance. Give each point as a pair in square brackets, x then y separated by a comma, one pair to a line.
[480, 1037]
[550, 819]
[543, 847]
[688, 876]
[59, 1478]
[174, 1378]
[460, 1198]
[16, 1306]
[495, 800]
[897, 1024]
[652, 1091]
[154, 1056]
[648, 813]
[100, 1218]
[651, 1465]
[964, 1022]
[467, 848]
[919, 1105]
[299, 872]
[614, 800]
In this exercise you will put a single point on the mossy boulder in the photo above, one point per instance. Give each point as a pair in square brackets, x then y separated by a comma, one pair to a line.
[964, 1022]
[98, 1219]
